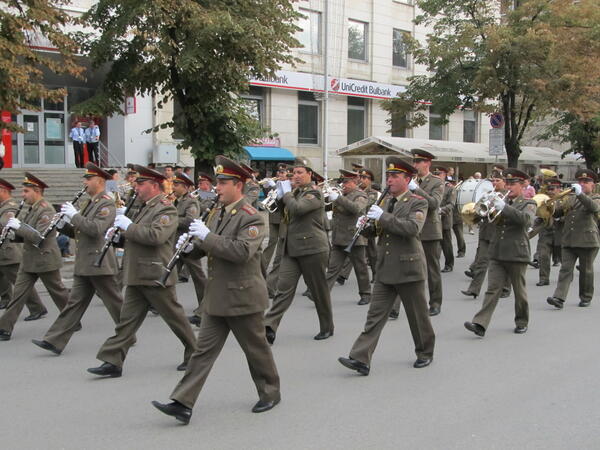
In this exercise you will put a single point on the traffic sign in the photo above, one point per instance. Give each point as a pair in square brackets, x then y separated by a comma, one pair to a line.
[497, 120]
[496, 141]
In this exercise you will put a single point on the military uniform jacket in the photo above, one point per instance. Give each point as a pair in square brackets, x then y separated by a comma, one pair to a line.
[96, 216]
[46, 258]
[252, 192]
[431, 189]
[235, 285]
[372, 195]
[149, 243]
[456, 214]
[510, 242]
[302, 229]
[346, 211]
[10, 252]
[580, 228]
[447, 207]
[187, 211]
[400, 255]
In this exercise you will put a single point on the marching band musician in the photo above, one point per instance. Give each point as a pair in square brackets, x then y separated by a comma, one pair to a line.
[366, 184]
[446, 210]
[509, 254]
[11, 255]
[457, 223]
[401, 270]
[431, 188]
[482, 255]
[274, 217]
[236, 295]
[304, 249]
[347, 208]
[43, 262]
[88, 226]
[148, 248]
[580, 239]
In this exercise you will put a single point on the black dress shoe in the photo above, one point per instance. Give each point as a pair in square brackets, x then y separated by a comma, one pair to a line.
[194, 320]
[3, 305]
[182, 279]
[584, 303]
[153, 310]
[556, 264]
[47, 346]
[4, 335]
[394, 314]
[535, 264]
[422, 362]
[505, 293]
[323, 335]
[35, 316]
[106, 370]
[520, 330]
[469, 294]
[306, 293]
[460, 255]
[434, 311]
[469, 273]
[340, 280]
[182, 367]
[364, 301]
[556, 302]
[262, 406]
[77, 328]
[353, 364]
[447, 269]
[542, 283]
[475, 328]
[309, 295]
[270, 333]
[175, 409]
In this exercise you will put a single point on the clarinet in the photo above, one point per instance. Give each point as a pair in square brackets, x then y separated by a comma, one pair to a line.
[4, 235]
[56, 219]
[177, 255]
[113, 234]
[365, 223]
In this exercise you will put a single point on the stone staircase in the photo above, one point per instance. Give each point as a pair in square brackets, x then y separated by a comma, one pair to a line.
[63, 183]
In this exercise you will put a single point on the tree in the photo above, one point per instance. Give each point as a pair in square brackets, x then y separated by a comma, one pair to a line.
[582, 134]
[487, 55]
[23, 25]
[197, 53]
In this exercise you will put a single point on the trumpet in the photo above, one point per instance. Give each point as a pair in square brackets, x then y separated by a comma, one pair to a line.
[173, 261]
[5, 235]
[485, 206]
[270, 201]
[57, 219]
[266, 180]
[327, 188]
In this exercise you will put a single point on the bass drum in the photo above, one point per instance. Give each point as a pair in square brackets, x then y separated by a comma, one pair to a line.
[472, 190]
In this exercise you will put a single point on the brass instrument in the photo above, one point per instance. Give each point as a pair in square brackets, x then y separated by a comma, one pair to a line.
[547, 173]
[327, 188]
[468, 214]
[485, 207]
[264, 180]
[546, 205]
[58, 220]
[270, 201]
[5, 235]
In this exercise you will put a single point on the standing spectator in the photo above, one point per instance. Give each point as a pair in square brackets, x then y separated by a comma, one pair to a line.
[477, 175]
[528, 190]
[168, 182]
[92, 136]
[188, 172]
[112, 185]
[78, 136]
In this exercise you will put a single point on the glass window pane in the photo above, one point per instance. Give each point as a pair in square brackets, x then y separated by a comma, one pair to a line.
[54, 141]
[309, 35]
[400, 55]
[436, 128]
[399, 125]
[357, 40]
[308, 124]
[469, 130]
[356, 125]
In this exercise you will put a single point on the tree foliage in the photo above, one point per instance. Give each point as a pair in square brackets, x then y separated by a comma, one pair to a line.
[525, 61]
[26, 25]
[198, 53]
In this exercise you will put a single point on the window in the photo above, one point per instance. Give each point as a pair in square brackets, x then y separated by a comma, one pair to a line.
[469, 126]
[357, 119]
[436, 128]
[400, 53]
[399, 125]
[310, 33]
[254, 101]
[357, 40]
[308, 119]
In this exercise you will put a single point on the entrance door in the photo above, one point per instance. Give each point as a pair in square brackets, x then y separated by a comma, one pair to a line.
[32, 138]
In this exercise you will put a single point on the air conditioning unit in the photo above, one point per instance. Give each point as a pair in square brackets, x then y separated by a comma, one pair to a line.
[165, 154]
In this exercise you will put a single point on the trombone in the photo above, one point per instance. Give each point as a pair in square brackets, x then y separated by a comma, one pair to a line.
[546, 205]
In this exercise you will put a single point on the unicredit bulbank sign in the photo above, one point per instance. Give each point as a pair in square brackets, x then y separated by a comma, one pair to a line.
[307, 82]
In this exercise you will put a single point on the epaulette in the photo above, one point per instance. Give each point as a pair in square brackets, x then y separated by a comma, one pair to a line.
[43, 204]
[418, 197]
[11, 203]
[107, 197]
[249, 209]
[166, 202]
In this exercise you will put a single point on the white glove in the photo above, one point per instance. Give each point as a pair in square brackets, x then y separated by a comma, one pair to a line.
[361, 221]
[413, 185]
[270, 183]
[68, 210]
[13, 223]
[286, 186]
[189, 247]
[121, 211]
[576, 188]
[375, 212]
[122, 222]
[108, 233]
[499, 204]
[333, 196]
[199, 229]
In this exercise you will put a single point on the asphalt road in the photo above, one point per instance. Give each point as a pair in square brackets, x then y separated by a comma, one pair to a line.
[532, 391]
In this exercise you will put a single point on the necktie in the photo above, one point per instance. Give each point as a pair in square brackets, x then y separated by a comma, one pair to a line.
[220, 217]
[419, 180]
[391, 204]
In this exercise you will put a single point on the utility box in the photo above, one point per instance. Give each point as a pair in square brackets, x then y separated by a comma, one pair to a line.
[165, 154]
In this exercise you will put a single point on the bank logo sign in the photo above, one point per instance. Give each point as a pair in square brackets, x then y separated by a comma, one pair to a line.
[301, 81]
